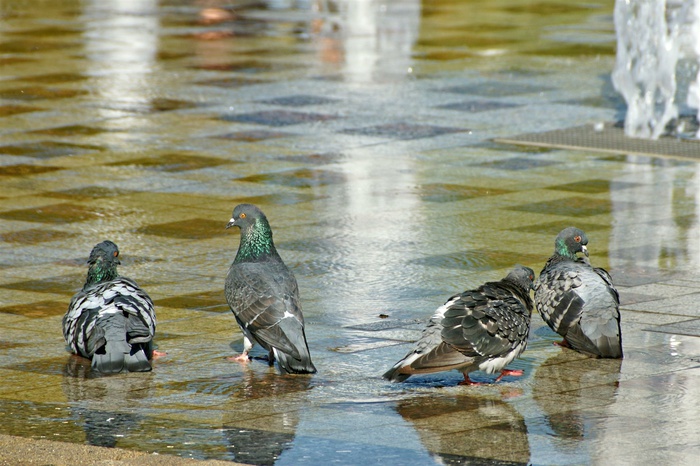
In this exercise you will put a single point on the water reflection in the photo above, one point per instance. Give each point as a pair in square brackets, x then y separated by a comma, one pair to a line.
[463, 429]
[563, 387]
[121, 45]
[629, 430]
[259, 440]
[371, 41]
[105, 407]
[662, 199]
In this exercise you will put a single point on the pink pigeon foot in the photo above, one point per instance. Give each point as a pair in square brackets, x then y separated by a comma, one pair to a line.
[510, 372]
[468, 381]
[241, 358]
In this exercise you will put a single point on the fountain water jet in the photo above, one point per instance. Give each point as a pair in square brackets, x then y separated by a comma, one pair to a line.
[658, 45]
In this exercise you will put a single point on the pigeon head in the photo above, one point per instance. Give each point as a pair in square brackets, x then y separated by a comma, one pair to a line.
[523, 277]
[256, 234]
[246, 216]
[571, 241]
[102, 263]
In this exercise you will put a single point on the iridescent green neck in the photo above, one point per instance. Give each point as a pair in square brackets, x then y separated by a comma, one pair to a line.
[256, 242]
[100, 272]
[562, 249]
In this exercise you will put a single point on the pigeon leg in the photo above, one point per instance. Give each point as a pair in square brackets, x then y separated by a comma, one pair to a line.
[511, 372]
[563, 343]
[468, 381]
[158, 354]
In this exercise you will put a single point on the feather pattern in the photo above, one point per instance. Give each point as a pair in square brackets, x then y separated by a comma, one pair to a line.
[111, 320]
[482, 329]
[579, 301]
[264, 296]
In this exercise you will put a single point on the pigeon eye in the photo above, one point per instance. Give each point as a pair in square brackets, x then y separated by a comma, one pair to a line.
[577, 239]
[116, 253]
[242, 215]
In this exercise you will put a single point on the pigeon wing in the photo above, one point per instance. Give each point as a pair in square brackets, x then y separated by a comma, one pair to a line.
[265, 301]
[487, 323]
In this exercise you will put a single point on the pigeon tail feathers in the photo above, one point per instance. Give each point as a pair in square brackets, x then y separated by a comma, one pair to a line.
[290, 365]
[117, 355]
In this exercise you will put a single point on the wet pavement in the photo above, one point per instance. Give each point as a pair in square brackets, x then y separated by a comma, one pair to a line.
[365, 130]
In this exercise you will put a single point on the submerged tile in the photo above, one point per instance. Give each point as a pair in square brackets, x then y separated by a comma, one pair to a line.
[195, 228]
[36, 235]
[300, 100]
[56, 213]
[475, 106]
[594, 186]
[481, 260]
[47, 149]
[64, 284]
[570, 206]
[454, 192]
[9, 110]
[518, 163]
[552, 229]
[496, 89]
[277, 118]
[403, 131]
[230, 83]
[37, 310]
[255, 135]
[71, 130]
[25, 170]
[211, 301]
[302, 178]
[174, 162]
[87, 193]
[40, 93]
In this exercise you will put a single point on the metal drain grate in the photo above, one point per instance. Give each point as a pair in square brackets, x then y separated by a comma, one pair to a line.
[609, 139]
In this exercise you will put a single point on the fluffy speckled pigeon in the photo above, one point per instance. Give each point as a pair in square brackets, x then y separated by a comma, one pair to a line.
[263, 295]
[578, 301]
[483, 329]
[111, 320]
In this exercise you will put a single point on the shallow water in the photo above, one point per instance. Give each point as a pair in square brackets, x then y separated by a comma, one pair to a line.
[364, 130]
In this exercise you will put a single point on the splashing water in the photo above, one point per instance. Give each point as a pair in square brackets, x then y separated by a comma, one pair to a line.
[694, 88]
[653, 37]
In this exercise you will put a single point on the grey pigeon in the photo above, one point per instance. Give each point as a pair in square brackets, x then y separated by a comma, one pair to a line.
[579, 301]
[263, 295]
[483, 329]
[111, 320]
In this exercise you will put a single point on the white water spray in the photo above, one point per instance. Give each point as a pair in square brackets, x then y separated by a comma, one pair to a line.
[654, 39]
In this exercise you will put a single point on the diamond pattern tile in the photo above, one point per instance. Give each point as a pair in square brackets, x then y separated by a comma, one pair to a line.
[297, 178]
[496, 89]
[475, 106]
[54, 213]
[453, 192]
[196, 228]
[570, 207]
[277, 118]
[403, 131]
[298, 100]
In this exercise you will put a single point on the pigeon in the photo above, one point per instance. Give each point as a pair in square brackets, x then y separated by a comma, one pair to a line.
[483, 329]
[264, 296]
[111, 320]
[579, 301]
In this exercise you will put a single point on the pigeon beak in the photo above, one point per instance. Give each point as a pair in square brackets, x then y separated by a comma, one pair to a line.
[230, 223]
[584, 249]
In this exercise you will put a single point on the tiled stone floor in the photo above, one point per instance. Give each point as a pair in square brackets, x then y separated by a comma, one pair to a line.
[365, 131]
